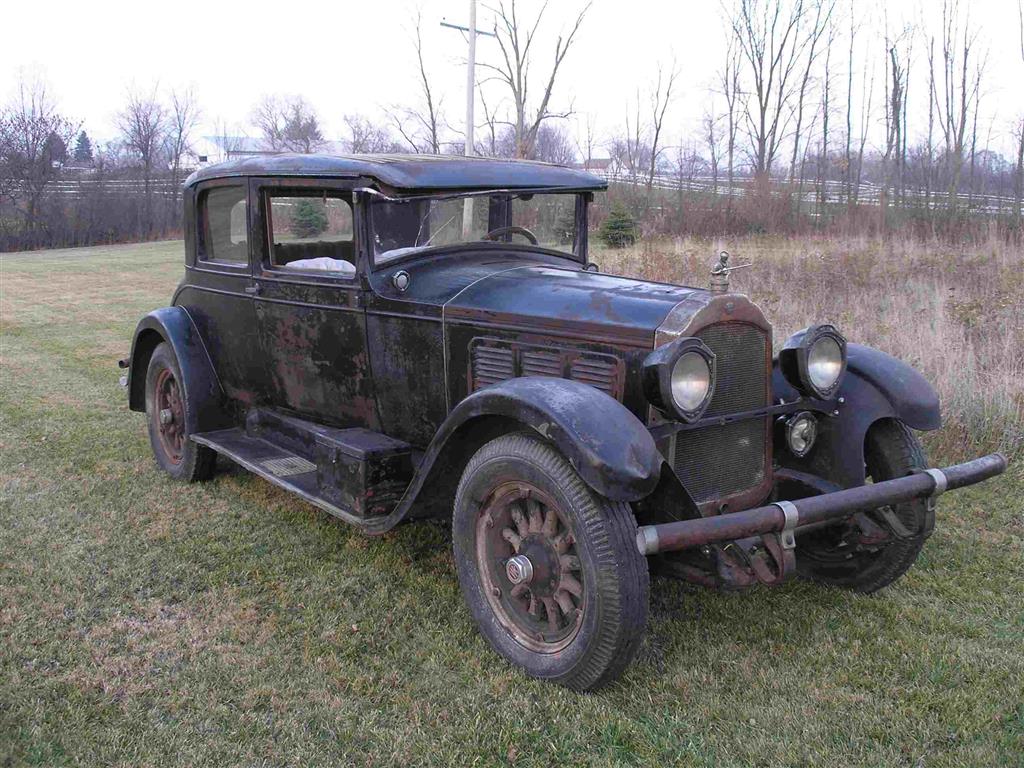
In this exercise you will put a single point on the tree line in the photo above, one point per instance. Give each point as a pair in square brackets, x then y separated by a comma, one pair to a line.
[807, 126]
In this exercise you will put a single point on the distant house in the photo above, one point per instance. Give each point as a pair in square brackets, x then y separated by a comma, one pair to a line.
[207, 150]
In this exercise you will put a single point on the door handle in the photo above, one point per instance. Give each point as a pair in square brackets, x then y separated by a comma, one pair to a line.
[253, 290]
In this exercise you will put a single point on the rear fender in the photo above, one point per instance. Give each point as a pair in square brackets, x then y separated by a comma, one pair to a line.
[876, 386]
[203, 394]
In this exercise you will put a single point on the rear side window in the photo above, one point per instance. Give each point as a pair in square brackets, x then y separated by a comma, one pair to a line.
[225, 239]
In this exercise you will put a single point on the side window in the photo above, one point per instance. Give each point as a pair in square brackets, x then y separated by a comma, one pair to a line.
[311, 232]
[225, 228]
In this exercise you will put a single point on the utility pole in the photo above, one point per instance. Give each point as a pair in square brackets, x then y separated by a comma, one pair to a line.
[468, 149]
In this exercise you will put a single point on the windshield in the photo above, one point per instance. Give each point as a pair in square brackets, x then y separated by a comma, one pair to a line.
[403, 227]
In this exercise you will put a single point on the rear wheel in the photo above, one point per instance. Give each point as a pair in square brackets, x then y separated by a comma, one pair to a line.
[843, 555]
[549, 569]
[167, 412]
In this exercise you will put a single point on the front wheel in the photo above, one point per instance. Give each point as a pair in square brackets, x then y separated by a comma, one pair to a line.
[838, 556]
[549, 569]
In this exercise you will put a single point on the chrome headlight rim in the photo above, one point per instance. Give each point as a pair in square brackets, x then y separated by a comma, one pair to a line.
[796, 363]
[659, 372]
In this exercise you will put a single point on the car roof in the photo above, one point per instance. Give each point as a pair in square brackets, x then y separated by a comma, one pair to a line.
[412, 173]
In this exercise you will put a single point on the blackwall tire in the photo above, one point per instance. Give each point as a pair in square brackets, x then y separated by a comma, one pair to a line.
[891, 450]
[590, 594]
[167, 409]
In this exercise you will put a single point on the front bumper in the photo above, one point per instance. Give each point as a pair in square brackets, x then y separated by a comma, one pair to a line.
[787, 517]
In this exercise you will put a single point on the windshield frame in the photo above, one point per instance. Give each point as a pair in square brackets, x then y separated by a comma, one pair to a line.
[578, 253]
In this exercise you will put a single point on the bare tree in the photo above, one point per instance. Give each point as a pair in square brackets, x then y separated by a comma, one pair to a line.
[712, 136]
[1018, 186]
[848, 164]
[269, 118]
[183, 118]
[33, 138]
[143, 124]
[660, 99]
[729, 82]
[288, 124]
[866, 105]
[302, 127]
[771, 37]
[420, 127]
[826, 113]
[554, 145]
[491, 123]
[895, 114]
[515, 44]
[367, 138]
[585, 140]
[960, 90]
[823, 10]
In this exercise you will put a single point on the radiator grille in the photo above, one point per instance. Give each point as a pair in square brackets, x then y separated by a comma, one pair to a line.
[721, 460]
[718, 461]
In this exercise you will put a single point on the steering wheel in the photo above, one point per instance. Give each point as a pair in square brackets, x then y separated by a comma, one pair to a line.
[494, 234]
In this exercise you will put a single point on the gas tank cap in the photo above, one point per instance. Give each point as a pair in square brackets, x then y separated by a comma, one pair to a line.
[401, 280]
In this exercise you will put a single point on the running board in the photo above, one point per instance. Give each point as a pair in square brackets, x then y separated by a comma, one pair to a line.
[276, 465]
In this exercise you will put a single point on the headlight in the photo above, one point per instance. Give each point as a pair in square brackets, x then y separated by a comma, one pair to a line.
[814, 360]
[679, 378]
[691, 380]
[824, 363]
[801, 432]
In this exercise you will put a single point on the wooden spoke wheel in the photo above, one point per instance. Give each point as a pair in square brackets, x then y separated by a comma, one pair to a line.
[549, 568]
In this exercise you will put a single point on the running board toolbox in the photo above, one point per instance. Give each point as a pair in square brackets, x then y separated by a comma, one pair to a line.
[353, 473]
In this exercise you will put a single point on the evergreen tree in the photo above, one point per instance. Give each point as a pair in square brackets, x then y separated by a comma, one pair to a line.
[565, 226]
[619, 229]
[309, 219]
[83, 148]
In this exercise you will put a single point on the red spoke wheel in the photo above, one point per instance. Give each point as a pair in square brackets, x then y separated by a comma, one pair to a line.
[170, 415]
[549, 568]
[526, 554]
[167, 409]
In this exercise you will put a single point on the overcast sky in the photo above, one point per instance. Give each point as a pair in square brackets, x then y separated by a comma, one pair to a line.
[353, 56]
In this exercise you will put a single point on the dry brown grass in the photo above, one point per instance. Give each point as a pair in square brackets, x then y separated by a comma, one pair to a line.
[954, 313]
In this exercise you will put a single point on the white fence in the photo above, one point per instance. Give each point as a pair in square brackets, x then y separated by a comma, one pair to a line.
[834, 193]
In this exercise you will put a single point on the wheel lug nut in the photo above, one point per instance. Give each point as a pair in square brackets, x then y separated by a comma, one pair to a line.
[496, 591]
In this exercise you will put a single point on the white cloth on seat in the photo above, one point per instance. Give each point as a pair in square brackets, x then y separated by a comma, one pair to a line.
[324, 264]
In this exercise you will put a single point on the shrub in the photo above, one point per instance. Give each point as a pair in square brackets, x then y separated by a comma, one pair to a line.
[619, 229]
[309, 219]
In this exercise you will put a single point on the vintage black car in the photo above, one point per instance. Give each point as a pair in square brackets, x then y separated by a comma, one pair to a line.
[395, 338]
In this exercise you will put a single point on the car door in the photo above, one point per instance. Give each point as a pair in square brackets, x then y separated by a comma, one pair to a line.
[218, 285]
[309, 302]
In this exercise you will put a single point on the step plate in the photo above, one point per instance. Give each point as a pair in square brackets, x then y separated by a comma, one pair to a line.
[288, 466]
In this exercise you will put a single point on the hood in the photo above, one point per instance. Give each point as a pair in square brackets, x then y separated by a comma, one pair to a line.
[573, 302]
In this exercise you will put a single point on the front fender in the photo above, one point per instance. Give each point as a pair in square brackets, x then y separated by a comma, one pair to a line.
[611, 449]
[876, 386]
[203, 392]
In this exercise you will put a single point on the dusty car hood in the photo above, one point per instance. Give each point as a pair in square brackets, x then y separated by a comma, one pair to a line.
[570, 301]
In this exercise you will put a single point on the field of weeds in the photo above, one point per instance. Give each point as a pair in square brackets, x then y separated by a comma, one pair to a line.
[146, 623]
[955, 314]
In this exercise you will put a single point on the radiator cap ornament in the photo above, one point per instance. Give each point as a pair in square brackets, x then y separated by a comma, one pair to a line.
[720, 273]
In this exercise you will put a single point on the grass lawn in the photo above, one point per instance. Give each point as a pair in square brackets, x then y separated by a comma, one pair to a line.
[144, 622]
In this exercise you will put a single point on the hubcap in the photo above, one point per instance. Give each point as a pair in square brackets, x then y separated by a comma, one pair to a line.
[529, 566]
[519, 569]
